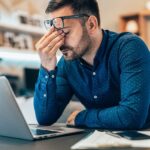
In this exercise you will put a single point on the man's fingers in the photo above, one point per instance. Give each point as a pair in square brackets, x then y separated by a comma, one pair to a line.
[51, 51]
[39, 43]
[47, 42]
[55, 48]
[69, 119]
[46, 35]
[54, 42]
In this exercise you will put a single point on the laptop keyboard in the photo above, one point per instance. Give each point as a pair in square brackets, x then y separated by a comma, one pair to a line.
[42, 132]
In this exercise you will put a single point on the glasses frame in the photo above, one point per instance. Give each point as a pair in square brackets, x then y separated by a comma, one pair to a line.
[63, 18]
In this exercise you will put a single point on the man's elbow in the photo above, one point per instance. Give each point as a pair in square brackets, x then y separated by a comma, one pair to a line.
[45, 120]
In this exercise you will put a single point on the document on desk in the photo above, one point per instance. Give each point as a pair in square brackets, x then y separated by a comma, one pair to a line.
[99, 139]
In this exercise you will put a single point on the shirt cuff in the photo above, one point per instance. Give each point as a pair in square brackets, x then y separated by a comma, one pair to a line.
[45, 75]
[80, 118]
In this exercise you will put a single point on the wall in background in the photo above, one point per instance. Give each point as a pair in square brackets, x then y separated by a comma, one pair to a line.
[110, 10]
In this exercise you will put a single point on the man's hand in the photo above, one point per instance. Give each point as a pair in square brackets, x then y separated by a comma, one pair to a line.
[71, 118]
[47, 47]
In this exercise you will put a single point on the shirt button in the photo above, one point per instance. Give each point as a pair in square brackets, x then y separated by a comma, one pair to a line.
[46, 77]
[95, 97]
[81, 63]
[44, 95]
[94, 73]
[53, 76]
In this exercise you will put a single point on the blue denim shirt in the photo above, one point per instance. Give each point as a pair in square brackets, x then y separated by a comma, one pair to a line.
[115, 90]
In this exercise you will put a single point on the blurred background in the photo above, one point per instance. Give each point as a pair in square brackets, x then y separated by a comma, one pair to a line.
[21, 26]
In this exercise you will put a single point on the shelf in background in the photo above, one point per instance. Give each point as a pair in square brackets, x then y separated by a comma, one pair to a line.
[20, 58]
[23, 28]
[137, 23]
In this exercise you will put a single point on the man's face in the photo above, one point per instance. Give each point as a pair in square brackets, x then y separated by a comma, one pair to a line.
[77, 41]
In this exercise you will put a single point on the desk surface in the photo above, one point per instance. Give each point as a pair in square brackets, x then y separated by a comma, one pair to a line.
[59, 143]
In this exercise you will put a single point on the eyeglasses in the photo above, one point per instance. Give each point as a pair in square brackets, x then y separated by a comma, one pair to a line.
[58, 22]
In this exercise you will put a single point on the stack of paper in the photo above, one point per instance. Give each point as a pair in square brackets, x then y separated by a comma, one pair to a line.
[104, 140]
[100, 139]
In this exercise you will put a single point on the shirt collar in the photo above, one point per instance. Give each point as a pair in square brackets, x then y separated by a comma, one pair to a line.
[102, 49]
[100, 52]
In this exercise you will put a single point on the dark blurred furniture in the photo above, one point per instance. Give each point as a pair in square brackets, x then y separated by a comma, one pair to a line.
[30, 78]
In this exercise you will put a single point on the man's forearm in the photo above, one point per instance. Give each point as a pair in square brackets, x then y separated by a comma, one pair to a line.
[45, 104]
[118, 117]
[51, 97]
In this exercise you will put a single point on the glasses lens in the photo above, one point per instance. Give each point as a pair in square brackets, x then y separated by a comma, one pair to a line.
[47, 24]
[58, 23]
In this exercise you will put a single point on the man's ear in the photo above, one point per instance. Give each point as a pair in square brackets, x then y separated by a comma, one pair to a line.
[92, 24]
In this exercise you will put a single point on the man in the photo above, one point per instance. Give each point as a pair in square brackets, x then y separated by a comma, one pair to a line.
[107, 71]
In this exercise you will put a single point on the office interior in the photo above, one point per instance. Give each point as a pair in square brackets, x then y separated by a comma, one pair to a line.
[21, 26]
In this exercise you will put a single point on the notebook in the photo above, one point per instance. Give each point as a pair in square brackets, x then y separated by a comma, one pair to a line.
[13, 123]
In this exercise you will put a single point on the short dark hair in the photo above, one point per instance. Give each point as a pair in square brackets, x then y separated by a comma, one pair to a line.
[89, 7]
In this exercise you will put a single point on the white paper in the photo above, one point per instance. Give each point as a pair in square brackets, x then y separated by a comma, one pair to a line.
[101, 139]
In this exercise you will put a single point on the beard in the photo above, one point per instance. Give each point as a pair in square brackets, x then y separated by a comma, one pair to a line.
[84, 45]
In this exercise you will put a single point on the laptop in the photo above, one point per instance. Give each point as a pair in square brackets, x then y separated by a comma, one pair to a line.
[13, 123]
